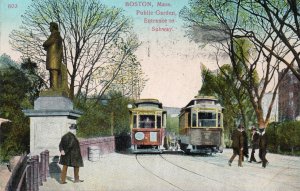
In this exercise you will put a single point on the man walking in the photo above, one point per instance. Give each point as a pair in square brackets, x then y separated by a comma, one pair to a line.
[70, 154]
[262, 143]
[237, 145]
[254, 143]
[245, 147]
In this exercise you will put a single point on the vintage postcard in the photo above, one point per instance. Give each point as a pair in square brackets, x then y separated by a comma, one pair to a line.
[113, 95]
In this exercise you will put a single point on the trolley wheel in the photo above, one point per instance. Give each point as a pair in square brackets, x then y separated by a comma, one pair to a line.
[183, 146]
[188, 151]
[211, 152]
[166, 143]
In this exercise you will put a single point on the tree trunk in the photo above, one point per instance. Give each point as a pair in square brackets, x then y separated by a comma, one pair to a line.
[72, 89]
[260, 120]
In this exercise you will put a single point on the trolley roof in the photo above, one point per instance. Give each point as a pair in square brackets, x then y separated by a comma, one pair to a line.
[148, 104]
[204, 102]
[148, 101]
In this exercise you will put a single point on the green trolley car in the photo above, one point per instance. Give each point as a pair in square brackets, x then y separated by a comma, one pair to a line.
[201, 126]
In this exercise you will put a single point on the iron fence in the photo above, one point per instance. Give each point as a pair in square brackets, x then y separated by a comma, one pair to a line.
[29, 173]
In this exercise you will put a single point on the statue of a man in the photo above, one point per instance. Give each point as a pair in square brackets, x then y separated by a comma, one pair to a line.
[54, 48]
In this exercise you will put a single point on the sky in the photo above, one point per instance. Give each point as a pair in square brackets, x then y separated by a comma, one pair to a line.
[168, 58]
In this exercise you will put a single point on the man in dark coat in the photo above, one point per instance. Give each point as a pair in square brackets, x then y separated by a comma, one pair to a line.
[237, 145]
[254, 143]
[70, 154]
[262, 144]
[245, 147]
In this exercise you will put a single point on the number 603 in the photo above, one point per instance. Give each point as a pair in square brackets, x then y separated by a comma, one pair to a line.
[12, 6]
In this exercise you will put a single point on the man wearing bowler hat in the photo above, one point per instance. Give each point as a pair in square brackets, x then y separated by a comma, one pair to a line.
[262, 144]
[254, 142]
[70, 154]
[237, 145]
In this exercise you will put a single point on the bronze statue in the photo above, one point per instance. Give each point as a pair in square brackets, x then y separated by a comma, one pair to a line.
[58, 70]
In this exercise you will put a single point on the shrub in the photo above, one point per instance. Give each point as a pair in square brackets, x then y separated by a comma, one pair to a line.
[101, 119]
[284, 137]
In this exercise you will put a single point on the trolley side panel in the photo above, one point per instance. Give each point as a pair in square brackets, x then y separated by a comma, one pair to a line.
[205, 137]
[151, 136]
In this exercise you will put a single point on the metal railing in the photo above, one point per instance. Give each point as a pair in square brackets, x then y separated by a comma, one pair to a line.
[29, 173]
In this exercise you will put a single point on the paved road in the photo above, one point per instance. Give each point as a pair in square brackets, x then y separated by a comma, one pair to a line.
[166, 172]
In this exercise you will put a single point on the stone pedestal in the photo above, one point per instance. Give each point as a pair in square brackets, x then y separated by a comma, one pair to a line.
[49, 121]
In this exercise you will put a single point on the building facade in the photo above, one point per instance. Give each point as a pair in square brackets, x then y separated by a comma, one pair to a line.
[266, 101]
[289, 97]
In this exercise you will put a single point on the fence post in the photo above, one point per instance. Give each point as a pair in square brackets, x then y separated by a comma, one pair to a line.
[42, 172]
[47, 172]
[29, 175]
[36, 172]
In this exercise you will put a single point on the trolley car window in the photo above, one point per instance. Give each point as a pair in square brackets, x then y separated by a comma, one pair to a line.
[194, 118]
[158, 122]
[205, 102]
[207, 119]
[147, 105]
[147, 121]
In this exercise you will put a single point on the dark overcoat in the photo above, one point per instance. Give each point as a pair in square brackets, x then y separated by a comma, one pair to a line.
[245, 145]
[70, 144]
[255, 140]
[262, 141]
[237, 139]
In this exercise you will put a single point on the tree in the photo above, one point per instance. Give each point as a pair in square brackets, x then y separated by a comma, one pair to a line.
[284, 19]
[131, 80]
[233, 97]
[14, 88]
[104, 119]
[172, 124]
[37, 83]
[233, 27]
[95, 37]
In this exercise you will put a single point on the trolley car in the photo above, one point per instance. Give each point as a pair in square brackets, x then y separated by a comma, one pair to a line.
[148, 122]
[201, 126]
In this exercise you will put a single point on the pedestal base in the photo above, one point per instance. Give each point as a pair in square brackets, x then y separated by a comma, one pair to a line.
[49, 121]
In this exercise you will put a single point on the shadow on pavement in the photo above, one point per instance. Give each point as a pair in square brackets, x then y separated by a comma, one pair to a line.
[54, 169]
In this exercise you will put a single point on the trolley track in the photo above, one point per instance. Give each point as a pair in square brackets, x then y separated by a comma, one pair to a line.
[250, 173]
[148, 170]
[284, 168]
[198, 174]
[290, 166]
[273, 178]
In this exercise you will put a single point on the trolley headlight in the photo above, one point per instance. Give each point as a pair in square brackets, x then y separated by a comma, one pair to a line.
[139, 136]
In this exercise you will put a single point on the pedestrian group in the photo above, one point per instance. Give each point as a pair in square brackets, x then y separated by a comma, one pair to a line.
[240, 145]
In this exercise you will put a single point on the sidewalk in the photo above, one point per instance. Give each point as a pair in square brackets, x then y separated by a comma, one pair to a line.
[5, 173]
[96, 175]
[4, 176]
[169, 172]
[113, 172]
